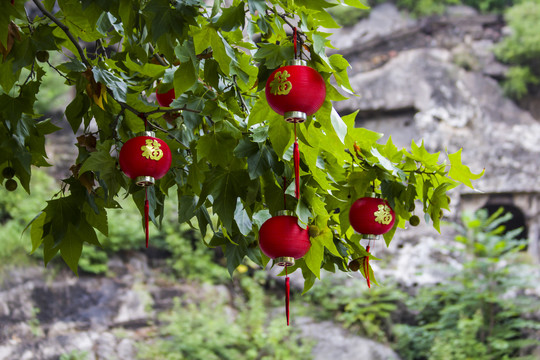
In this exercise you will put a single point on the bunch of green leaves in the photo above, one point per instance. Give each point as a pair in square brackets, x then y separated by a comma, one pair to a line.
[431, 7]
[241, 331]
[521, 48]
[481, 311]
[230, 151]
[360, 309]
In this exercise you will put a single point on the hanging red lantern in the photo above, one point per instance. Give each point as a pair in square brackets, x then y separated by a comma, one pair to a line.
[145, 158]
[371, 216]
[295, 91]
[165, 99]
[282, 239]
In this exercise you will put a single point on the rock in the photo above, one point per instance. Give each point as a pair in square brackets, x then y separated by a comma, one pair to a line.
[453, 109]
[383, 19]
[333, 342]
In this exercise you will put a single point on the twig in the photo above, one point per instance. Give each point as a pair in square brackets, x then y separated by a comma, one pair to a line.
[239, 93]
[31, 75]
[66, 31]
[160, 110]
[157, 56]
[156, 126]
[284, 17]
[60, 73]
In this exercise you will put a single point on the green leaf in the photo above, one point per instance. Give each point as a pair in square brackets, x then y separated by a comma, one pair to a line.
[339, 125]
[242, 219]
[257, 6]
[36, 232]
[356, 4]
[280, 133]
[314, 257]
[113, 83]
[232, 18]
[71, 249]
[184, 78]
[460, 172]
[221, 55]
[217, 148]
[76, 109]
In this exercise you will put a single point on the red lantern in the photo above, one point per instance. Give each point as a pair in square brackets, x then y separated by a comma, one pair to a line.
[295, 91]
[282, 239]
[145, 158]
[165, 99]
[371, 216]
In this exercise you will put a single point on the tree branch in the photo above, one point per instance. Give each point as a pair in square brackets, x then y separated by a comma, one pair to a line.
[66, 31]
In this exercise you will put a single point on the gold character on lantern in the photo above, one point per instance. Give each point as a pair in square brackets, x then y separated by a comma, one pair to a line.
[280, 85]
[152, 150]
[383, 215]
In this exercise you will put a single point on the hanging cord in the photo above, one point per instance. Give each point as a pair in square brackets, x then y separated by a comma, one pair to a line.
[295, 41]
[146, 214]
[284, 193]
[366, 267]
[296, 165]
[287, 294]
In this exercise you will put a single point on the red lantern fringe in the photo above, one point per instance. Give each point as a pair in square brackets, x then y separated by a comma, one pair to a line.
[287, 295]
[366, 268]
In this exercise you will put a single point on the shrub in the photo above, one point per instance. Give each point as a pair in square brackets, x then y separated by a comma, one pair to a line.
[521, 48]
[481, 311]
[212, 330]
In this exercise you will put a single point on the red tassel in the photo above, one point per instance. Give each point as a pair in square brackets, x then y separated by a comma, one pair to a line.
[146, 215]
[287, 295]
[366, 267]
[296, 169]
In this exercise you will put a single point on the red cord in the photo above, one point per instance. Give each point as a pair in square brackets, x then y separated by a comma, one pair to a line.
[146, 214]
[366, 267]
[295, 41]
[284, 193]
[287, 294]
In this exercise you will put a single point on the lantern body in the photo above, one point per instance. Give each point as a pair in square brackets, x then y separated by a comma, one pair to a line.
[371, 216]
[295, 91]
[145, 158]
[282, 239]
[165, 99]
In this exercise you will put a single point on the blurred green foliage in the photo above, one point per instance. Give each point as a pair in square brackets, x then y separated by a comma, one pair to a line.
[481, 311]
[212, 329]
[362, 310]
[521, 49]
[17, 208]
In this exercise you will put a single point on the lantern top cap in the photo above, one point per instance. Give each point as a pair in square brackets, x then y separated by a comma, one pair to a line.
[296, 62]
[147, 133]
[285, 213]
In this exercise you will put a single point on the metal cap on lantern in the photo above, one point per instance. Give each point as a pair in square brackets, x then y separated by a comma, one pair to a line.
[284, 241]
[371, 216]
[144, 159]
